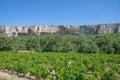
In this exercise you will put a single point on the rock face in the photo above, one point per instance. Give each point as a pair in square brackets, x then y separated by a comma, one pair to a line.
[59, 29]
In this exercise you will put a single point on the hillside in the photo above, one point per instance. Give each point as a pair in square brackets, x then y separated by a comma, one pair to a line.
[59, 29]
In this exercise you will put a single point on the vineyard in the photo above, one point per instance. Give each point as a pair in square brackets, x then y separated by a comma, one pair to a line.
[62, 66]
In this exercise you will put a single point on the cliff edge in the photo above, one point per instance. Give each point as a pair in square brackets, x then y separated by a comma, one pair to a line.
[59, 29]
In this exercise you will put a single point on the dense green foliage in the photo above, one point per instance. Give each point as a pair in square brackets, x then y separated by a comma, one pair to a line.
[70, 66]
[101, 43]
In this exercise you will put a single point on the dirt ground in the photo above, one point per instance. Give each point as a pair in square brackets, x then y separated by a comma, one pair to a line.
[6, 76]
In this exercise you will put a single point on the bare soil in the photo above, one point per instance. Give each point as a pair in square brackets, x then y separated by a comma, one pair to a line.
[7, 76]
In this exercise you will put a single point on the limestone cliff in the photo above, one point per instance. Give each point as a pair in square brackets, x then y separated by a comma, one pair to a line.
[59, 29]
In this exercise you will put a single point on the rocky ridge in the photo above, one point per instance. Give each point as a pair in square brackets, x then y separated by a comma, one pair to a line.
[59, 29]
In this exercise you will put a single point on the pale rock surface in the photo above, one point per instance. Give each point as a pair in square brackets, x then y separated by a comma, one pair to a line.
[59, 29]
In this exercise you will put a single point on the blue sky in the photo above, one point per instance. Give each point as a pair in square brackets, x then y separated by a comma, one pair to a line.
[74, 12]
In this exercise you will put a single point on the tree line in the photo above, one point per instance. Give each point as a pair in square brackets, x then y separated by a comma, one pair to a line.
[83, 43]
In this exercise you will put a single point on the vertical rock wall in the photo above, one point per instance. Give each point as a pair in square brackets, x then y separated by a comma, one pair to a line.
[61, 29]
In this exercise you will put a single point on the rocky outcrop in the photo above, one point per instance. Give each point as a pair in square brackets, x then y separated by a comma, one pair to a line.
[59, 29]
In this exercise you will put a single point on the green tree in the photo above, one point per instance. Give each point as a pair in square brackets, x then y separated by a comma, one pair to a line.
[5, 43]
